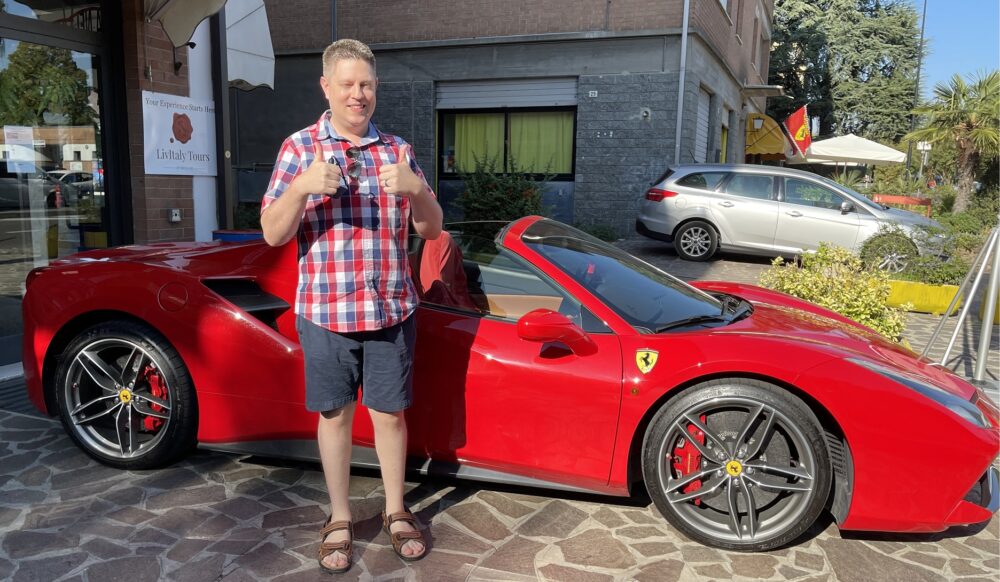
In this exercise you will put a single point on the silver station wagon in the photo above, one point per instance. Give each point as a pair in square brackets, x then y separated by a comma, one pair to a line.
[768, 210]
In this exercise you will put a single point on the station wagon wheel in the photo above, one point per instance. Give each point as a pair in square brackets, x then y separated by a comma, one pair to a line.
[737, 464]
[125, 396]
[696, 241]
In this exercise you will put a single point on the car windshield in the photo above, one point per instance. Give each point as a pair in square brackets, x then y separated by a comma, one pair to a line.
[855, 195]
[646, 297]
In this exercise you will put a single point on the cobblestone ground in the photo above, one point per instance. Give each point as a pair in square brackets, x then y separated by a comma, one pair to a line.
[221, 517]
[63, 517]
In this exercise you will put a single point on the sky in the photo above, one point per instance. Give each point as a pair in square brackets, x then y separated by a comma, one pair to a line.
[963, 36]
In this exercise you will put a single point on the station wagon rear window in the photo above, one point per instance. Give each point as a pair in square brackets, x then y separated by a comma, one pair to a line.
[702, 180]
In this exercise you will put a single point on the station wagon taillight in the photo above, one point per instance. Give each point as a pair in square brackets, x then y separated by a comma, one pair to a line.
[657, 194]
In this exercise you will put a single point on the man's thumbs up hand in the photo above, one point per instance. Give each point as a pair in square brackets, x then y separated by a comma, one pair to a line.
[398, 178]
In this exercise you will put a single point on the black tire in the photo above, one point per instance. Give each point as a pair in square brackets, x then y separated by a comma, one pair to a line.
[891, 252]
[781, 464]
[696, 241]
[125, 396]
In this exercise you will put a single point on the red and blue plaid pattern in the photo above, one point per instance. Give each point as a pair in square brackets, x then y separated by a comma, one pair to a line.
[353, 270]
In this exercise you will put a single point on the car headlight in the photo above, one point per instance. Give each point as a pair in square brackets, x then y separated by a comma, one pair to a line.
[956, 404]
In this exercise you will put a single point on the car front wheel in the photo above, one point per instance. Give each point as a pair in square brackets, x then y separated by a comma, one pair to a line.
[696, 241]
[125, 396]
[737, 464]
[889, 252]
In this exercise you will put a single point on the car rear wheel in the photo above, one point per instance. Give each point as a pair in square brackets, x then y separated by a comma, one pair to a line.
[125, 396]
[737, 464]
[696, 241]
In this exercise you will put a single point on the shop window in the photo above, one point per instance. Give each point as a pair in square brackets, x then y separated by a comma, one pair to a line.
[535, 141]
[81, 15]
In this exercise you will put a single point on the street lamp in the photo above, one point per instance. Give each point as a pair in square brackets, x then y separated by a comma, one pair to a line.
[916, 90]
[924, 147]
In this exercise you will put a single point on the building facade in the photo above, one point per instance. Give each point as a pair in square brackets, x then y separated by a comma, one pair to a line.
[590, 93]
[72, 177]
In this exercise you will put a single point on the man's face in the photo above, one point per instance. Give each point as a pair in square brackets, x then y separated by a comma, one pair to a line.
[350, 89]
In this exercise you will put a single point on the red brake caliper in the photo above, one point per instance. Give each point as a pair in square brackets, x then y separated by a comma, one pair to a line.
[686, 459]
[155, 381]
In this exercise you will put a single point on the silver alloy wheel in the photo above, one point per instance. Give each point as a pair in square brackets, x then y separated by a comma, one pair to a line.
[894, 262]
[741, 496]
[110, 397]
[696, 241]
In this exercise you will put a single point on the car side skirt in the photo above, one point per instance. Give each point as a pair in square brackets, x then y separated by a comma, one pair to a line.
[362, 456]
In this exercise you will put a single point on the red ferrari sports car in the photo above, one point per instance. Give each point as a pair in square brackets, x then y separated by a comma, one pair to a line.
[544, 357]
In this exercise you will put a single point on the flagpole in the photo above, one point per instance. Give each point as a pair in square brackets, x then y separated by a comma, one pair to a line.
[916, 91]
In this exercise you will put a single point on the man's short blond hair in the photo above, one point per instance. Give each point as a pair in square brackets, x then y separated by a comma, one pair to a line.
[345, 49]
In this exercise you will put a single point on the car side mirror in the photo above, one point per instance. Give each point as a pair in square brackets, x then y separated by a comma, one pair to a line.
[545, 325]
[846, 207]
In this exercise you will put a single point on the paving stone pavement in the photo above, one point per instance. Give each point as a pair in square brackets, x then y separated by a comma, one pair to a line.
[64, 517]
[223, 517]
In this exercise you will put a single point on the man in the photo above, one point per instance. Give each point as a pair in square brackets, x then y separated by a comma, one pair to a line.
[347, 193]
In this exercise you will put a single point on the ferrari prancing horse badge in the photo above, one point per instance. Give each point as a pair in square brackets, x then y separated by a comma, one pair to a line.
[645, 359]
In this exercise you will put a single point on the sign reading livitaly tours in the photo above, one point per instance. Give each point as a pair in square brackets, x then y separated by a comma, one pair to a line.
[179, 135]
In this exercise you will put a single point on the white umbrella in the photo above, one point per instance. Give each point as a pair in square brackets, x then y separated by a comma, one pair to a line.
[849, 148]
[249, 54]
[180, 17]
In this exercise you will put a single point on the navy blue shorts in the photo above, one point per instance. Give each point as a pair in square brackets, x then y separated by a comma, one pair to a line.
[336, 363]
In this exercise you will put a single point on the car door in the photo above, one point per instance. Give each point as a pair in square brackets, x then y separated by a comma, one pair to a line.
[746, 211]
[811, 213]
[489, 400]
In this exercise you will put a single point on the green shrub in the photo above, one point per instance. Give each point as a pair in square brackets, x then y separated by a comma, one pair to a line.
[943, 198]
[837, 279]
[979, 218]
[246, 216]
[849, 179]
[934, 271]
[894, 181]
[602, 231]
[498, 196]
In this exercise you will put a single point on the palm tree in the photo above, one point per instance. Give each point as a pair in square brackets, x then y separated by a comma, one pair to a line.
[969, 115]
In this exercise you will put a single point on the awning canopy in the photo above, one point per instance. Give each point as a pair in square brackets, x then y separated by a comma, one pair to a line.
[765, 137]
[249, 53]
[180, 17]
[849, 148]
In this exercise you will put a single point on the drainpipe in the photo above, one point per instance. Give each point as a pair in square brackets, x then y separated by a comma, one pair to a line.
[680, 87]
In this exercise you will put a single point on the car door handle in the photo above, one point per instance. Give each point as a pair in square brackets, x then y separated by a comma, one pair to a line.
[727, 204]
[794, 213]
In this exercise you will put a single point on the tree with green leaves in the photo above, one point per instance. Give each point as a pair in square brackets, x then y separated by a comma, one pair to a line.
[968, 115]
[852, 61]
[42, 80]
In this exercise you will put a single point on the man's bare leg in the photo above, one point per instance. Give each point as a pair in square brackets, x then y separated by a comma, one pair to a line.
[334, 436]
[390, 445]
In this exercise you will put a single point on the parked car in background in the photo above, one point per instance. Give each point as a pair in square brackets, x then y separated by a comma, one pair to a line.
[20, 183]
[772, 211]
[72, 186]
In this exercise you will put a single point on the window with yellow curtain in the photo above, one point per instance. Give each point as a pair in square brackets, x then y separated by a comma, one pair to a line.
[542, 141]
[478, 136]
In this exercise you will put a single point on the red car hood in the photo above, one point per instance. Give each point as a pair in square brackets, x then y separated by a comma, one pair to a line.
[778, 315]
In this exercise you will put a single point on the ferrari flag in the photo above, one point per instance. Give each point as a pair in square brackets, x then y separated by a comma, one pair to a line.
[798, 128]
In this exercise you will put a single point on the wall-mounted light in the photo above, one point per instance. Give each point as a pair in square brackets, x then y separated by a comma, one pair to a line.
[178, 64]
[758, 122]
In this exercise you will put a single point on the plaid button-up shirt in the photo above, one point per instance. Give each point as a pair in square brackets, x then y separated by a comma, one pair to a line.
[353, 270]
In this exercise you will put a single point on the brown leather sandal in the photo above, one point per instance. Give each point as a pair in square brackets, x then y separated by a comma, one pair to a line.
[399, 539]
[345, 547]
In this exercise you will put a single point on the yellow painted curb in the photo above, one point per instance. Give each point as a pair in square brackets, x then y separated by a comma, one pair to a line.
[922, 297]
[996, 311]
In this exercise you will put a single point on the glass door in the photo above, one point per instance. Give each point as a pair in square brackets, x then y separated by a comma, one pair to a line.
[52, 201]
